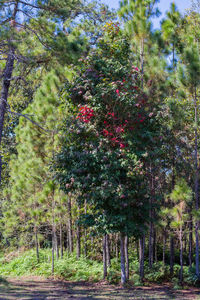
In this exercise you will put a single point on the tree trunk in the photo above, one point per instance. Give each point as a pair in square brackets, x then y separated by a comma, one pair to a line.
[78, 242]
[190, 242]
[116, 249]
[137, 249]
[70, 235]
[108, 250]
[122, 253]
[151, 231]
[141, 256]
[53, 247]
[37, 245]
[155, 246]
[196, 187]
[85, 233]
[56, 244]
[61, 242]
[181, 255]
[7, 75]
[164, 246]
[151, 244]
[127, 257]
[104, 258]
[171, 255]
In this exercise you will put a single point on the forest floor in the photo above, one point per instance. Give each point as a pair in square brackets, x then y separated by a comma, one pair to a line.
[39, 288]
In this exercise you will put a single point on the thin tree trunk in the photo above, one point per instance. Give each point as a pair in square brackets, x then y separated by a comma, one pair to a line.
[108, 250]
[181, 255]
[61, 242]
[70, 235]
[141, 254]
[137, 248]
[171, 255]
[190, 241]
[78, 242]
[116, 249]
[37, 245]
[53, 246]
[151, 236]
[155, 246]
[196, 186]
[164, 246]
[105, 273]
[56, 244]
[122, 253]
[127, 257]
[85, 233]
[53, 250]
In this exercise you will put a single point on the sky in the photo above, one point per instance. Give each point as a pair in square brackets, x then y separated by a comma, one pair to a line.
[163, 7]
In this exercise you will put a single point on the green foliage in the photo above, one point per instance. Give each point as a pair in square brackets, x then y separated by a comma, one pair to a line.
[67, 268]
[158, 273]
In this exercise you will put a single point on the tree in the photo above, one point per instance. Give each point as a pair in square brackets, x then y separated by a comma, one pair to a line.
[39, 24]
[103, 152]
[33, 188]
[190, 77]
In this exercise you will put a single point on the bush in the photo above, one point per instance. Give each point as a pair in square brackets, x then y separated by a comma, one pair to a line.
[158, 273]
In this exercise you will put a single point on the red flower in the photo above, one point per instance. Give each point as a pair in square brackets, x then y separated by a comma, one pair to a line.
[122, 145]
[105, 132]
[117, 91]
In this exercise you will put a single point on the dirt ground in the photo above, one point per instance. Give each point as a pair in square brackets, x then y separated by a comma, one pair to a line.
[39, 289]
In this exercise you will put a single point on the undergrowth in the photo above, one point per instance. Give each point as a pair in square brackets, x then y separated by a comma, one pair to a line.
[84, 269]
[67, 268]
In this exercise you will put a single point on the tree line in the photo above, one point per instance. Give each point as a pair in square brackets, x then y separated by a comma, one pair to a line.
[99, 132]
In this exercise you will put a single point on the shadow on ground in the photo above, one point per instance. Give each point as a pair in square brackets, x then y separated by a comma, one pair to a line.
[38, 289]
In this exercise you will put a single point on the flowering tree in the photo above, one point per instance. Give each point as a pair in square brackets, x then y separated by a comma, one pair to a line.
[110, 125]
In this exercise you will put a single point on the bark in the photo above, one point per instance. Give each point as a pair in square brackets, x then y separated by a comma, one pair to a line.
[85, 233]
[108, 250]
[53, 250]
[61, 241]
[181, 255]
[78, 242]
[190, 242]
[37, 245]
[164, 246]
[155, 246]
[151, 244]
[127, 257]
[122, 253]
[137, 248]
[70, 235]
[104, 258]
[56, 244]
[53, 247]
[7, 75]
[53, 232]
[116, 249]
[151, 227]
[141, 256]
[196, 187]
[171, 255]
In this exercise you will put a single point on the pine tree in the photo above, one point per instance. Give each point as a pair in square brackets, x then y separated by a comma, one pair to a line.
[31, 35]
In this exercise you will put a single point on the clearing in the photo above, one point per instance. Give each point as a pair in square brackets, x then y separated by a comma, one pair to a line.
[39, 288]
